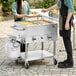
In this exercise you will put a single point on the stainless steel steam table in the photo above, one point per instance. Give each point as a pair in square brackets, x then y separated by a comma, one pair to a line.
[40, 29]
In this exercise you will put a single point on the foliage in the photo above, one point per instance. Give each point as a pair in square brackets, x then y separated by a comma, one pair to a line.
[0, 5]
[75, 5]
[43, 4]
[6, 5]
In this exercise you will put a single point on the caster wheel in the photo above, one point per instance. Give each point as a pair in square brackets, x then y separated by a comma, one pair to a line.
[16, 61]
[55, 61]
[27, 65]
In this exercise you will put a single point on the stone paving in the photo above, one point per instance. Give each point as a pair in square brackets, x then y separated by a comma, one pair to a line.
[37, 68]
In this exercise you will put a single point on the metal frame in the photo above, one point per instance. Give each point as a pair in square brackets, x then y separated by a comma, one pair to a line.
[43, 33]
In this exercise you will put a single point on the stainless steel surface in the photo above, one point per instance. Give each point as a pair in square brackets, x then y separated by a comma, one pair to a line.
[40, 32]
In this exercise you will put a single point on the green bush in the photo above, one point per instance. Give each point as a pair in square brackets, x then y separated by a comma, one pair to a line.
[75, 8]
[43, 4]
[75, 5]
[6, 5]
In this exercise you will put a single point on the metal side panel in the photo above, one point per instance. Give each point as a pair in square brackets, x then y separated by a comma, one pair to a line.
[39, 33]
[43, 32]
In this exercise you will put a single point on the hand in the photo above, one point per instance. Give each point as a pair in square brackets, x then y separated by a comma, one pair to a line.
[67, 26]
[53, 11]
[44, 10]
[35, 13]
[31, 15]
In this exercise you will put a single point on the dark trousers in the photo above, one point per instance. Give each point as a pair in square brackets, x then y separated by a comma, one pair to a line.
[66, 35]
[68, 47]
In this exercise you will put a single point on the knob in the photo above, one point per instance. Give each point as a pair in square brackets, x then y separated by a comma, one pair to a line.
[49, 37]
[33, 38]
[41, 37]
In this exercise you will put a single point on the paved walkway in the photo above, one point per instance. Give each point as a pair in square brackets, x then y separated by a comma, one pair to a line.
[37, 68]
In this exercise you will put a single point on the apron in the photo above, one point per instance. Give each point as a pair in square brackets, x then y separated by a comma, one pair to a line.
[62, 20]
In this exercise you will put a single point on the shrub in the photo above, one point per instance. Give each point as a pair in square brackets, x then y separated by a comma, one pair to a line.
[43, 4]
[6, 5]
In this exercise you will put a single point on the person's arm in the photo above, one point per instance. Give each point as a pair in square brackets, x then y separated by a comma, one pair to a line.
[28, 6]
[53, 7]
[14, 11]
[56, 6]
[16, 15]
[67, 26]
[50, 8]
[70, 13]
[23, 15]
[69, 16]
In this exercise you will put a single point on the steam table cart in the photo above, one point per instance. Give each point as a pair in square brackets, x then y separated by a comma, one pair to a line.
[37, 30]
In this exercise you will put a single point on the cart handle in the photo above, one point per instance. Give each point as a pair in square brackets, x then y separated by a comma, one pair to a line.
[18, 28]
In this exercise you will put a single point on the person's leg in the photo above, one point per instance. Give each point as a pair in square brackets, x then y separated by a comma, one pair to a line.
[68, 47]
